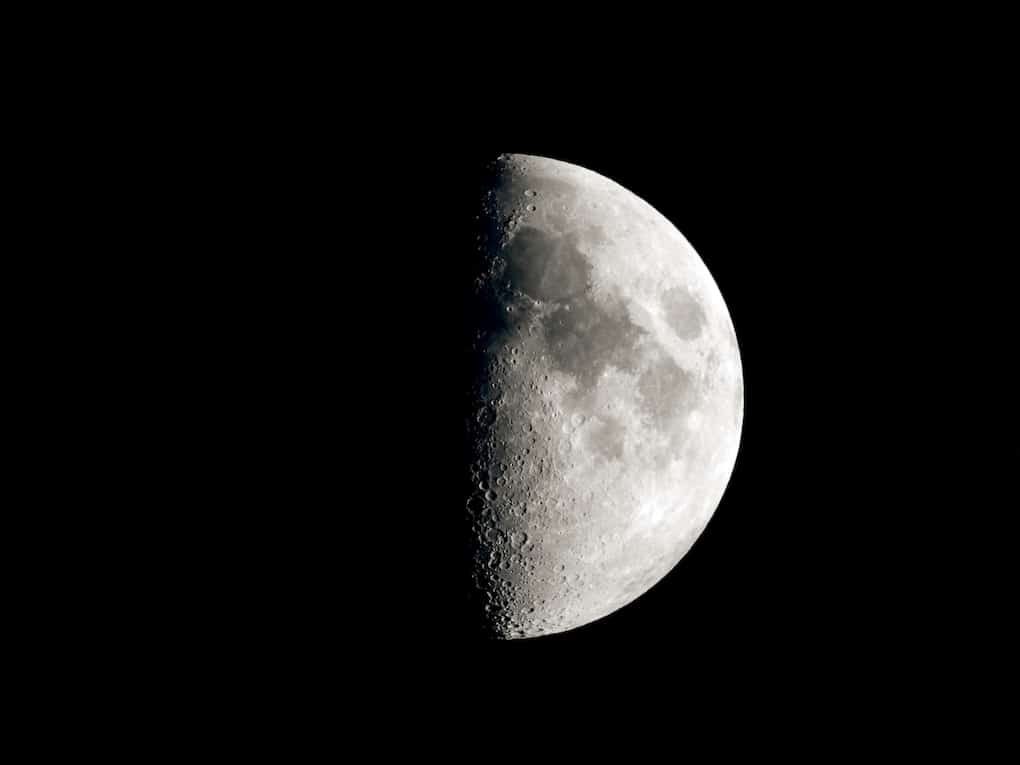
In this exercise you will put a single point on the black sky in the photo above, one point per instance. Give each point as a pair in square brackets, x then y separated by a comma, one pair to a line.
[845, 230]
[832, 228]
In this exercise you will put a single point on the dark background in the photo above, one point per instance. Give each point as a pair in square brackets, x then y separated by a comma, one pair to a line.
[250, 251]
[845, 226]
[830, 234]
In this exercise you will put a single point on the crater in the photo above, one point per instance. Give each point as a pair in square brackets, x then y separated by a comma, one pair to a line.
[550, 189]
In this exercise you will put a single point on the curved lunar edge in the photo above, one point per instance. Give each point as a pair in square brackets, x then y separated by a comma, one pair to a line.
[606, 399]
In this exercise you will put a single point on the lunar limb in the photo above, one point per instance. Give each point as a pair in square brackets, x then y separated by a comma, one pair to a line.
[607, 403]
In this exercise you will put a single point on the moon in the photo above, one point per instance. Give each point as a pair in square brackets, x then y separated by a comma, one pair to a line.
[606, 401]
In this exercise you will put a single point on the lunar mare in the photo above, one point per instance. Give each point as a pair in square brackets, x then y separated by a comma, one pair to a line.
[607, 403]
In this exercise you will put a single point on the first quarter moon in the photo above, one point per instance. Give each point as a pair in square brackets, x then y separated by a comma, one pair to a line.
[605, 402]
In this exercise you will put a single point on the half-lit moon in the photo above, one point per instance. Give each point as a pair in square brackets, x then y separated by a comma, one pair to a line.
[607, 409]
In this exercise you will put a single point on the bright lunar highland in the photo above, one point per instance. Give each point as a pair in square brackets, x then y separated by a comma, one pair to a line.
[606, 403]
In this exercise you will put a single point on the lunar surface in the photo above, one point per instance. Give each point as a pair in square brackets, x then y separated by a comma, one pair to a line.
[606, 403]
